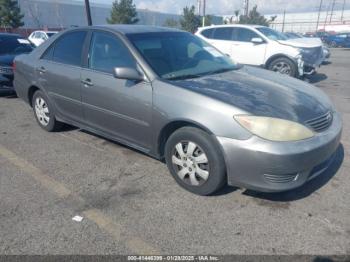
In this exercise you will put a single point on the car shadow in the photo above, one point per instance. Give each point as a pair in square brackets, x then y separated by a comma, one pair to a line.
[8, 94]
[315, 78]
[308, 188]
[326, 62]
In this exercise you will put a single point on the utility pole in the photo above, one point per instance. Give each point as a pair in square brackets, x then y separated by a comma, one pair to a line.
[342, 12]
[318, 17]
[246, 7]
[330, 19]
[284, 19]
[203, 20]
[88, 12]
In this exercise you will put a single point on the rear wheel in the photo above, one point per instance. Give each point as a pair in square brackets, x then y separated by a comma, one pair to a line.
[284, 66]
[333, 44]
[43, 112]
[195, 161]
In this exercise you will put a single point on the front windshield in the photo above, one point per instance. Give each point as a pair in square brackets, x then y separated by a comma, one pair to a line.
[272, 34]
[14, 45]
[180, 55]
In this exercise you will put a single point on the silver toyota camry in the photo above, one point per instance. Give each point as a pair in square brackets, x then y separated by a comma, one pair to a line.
[171, 95]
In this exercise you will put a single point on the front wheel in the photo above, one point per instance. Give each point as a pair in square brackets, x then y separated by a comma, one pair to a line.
[195, 161]
[283, 66]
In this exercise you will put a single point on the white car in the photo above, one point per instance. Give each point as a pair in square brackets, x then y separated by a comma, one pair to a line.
[262, 46]
[39, 37]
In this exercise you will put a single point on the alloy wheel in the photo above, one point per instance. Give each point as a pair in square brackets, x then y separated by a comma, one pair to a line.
[282, 67]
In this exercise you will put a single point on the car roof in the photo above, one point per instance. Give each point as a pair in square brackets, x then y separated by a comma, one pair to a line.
[132, 29]
[10, 35]
[230, 25]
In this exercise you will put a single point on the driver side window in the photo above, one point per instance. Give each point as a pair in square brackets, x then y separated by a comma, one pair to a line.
[107, 52]
[246, 35]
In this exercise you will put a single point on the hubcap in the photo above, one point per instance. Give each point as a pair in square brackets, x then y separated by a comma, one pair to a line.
[42, 111]
[191, 163]
[282, 67]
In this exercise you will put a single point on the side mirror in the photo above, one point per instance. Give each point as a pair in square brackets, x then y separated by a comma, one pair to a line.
[257, 40]
[128, 73]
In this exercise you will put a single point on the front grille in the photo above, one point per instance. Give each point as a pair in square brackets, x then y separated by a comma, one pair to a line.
[320, 123]
[284, 178]
[313, 55]
[6, 70]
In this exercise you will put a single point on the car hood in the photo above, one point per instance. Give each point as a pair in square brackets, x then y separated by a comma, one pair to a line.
[262, 93]
[6, 60]
[302, 42]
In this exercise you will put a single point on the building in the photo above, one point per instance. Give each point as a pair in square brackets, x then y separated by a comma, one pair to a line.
[67, 13]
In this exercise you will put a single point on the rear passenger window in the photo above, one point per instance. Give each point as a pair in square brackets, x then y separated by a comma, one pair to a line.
[107, 52]
[223, 33]
[68, 48]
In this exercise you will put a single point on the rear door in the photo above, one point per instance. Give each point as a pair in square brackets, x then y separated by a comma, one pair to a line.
[221, 38]
[58, 72]
[118, 107]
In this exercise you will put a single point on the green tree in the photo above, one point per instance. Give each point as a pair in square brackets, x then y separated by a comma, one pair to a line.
[253, 18]
[123, 12]
[171, 22]
[190, 21]
[10, 14]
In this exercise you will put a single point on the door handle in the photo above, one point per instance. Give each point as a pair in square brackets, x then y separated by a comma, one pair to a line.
[41, 70]
[87, 82]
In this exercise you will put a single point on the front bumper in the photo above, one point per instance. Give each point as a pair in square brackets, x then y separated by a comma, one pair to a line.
[269, 166]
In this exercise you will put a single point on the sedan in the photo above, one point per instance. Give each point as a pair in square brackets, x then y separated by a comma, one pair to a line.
[169, 94]
[11, 45]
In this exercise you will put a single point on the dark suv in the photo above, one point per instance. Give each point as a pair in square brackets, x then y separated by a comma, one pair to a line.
[11, 45]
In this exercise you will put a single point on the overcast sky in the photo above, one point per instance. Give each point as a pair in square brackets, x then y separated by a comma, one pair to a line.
[222, 7]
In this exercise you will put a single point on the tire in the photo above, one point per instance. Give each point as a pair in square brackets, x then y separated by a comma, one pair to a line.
[43, 112]
[333, 44]
[284, 66]
[204, 170]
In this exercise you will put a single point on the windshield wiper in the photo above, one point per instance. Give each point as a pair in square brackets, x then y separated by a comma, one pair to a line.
[181, 77]
[223, 70]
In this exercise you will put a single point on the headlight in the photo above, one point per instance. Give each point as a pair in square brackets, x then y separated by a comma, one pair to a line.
[274, 129]
[305, 51]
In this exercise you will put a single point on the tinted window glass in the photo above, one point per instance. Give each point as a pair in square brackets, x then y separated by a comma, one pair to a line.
[108, 52]
[207, 33]
[14, 45]
[68, 48]
[223, 33]
[246, 35]
[48, 53]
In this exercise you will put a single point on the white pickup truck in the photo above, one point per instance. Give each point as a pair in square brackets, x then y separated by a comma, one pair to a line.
[262, 46]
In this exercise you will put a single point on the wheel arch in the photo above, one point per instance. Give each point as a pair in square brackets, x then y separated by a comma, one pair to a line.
[170, 128]
[31, 90]
[280, 55]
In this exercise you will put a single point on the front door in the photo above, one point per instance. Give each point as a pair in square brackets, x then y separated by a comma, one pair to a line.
[118, 107]
[244, 51]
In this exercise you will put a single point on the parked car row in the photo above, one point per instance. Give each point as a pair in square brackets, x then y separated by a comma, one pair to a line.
[174, 96]
[338, 40]
[265, 47]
